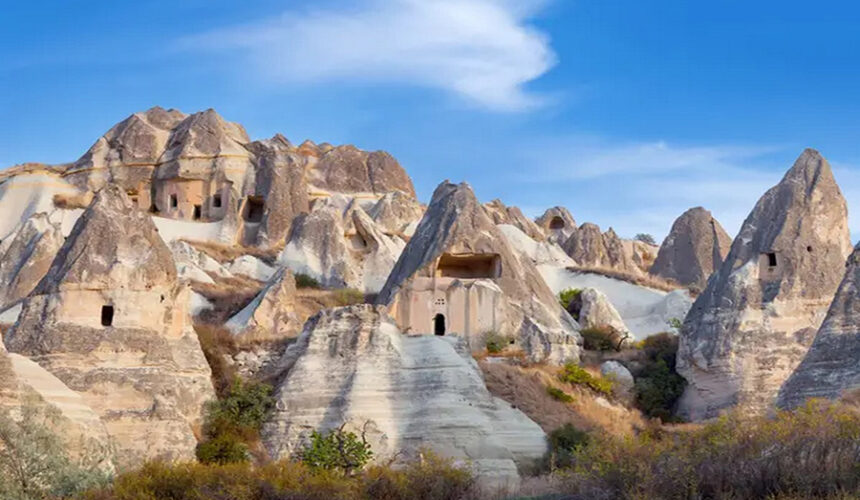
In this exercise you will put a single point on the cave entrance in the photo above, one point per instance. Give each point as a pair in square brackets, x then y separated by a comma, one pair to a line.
[107, 315]
[254, 208]
[198, 212]
[216, 201]
[439, 325]
[556, 223]
[771, 259]
[475, 266]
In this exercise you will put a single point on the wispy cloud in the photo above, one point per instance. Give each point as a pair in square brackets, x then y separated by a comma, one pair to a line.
[485, 51]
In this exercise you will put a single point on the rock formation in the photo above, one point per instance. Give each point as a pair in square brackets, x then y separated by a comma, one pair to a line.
[112, 322]
[757, 317]
[595, 311]
[591, 248]
[272, 312]
[694, 248]
[540, 252]
[458, 275]
[513, 216]
[347, 169]
[26, 257]
[557, 224]
[352, 365]
[831, 368]
[397, 214]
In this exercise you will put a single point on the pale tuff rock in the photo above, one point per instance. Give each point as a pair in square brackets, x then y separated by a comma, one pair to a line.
[352, 365]
[513, 216]
[757, 317]
[459, 275]
[195, 265]
[642, 254]
[621, 377]
[252, 267]
[541, 252]
[831, 368]
[26, 257]
[591, 248]
[28, 193]
[272, 312]
[340, 246]
[557, 224]
[694, 248]
[596, 311]
[397, 214]
[347, 169]
[111, 321]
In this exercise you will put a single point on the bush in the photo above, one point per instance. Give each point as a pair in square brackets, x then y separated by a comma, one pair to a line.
[34, 462]
[337, 450]
[565, 297]
[576, 375]
[813, 452]
[496, 343]
[658, 386]
[645, 238]
[600, 338]
[348, 297]
[233, 421]
[305, 281]
[558, 394]
[564, 442]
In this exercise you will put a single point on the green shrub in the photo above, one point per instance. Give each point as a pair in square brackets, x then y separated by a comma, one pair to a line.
[233, 421]
[337, 450]
[558, 394]
[565, 297]
[496, 343]
[348, 296]
[658, 386]
[564, 442]
[576, 375]
[675, 323]
[646, 238]
[600, 338]
[305, 281]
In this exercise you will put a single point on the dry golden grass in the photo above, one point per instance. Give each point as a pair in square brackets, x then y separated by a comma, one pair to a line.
[228, 296]
[226, 253]
[645, 280]
[71, 201]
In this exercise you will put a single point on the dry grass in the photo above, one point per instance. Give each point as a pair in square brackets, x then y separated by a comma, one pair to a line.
[218, 345]
[228, 296]
[71, 201]
[645, 280]
[227, 253]
[524, 387]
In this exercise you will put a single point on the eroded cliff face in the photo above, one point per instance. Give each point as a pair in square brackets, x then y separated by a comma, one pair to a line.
[591, 248]
[694, 248]
[831, 368]
[557, 224]
[111, 321]
[758, 315]
[353, 365]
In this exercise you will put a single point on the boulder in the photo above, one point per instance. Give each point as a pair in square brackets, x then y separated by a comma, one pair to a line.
[272, 313]
[112, 322]
[622, 379]
[755, 321]
[557, 224]
[26, 257]
[353, 366]
[831, 367]
[596, 311]
[694, 248]
[459, 275]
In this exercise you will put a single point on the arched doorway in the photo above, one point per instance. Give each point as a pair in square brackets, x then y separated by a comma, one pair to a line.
[439, 324]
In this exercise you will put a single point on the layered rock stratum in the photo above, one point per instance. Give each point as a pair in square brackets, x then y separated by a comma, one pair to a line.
[755, 321]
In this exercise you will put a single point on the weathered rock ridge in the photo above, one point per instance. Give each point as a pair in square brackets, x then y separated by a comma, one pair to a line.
[591, 248]
[758, 315]
[694, 248]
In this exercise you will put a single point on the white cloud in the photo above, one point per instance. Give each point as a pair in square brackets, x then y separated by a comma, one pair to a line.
[482, 50]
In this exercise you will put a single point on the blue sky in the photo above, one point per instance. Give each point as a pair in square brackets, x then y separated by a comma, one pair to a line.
[626, 112]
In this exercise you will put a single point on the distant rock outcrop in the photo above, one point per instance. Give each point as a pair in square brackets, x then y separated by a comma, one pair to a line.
[831, 368]
[591, 248]
[513, 216]
[750, 328]
[347, 169]
[26, 257]
[397, 214]
[694, 248]
[458, 274]
[112, 322]
[557, 224]
[352, 365]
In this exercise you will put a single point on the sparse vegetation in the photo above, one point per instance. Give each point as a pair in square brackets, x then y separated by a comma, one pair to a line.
[72, 201]
[564, 442]
[565, 297]
[348, 296]
[675, 323]
[338, 450]
[232, 422]
[218, 344]
[558, 394]
[495, 342]
[305, 281]
[576, 375]
[224, 253]
[645, 238]
[646, 280]
[601, 338]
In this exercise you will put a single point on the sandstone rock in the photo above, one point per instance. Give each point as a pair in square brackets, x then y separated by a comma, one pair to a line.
[541, 253]
[272, 312]
[111, 321]
[557, 224]
[458, 274]
[642, 254]
[694, 248]
[596, 311]
[513, 216]
[758, 315]
[26, 257]
[397, 214]
[196, 265]
[591, 248]
[349, 170]
[832, 365]
[352, 365]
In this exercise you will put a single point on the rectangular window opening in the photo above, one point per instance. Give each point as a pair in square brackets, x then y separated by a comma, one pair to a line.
[216, 201]
[771, 259]
[174, 201]
[107, 315]
[198, 212]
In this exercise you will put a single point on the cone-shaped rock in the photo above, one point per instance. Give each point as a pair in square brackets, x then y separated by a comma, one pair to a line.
[694, 248]
[111, 321]
[459, 275]
[758, 315]
[832, 365]
[557, 224]
[591, 248]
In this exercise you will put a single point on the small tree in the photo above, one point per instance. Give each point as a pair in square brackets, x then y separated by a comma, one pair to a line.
[234, 421]
[338, 450]
[646, 238]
